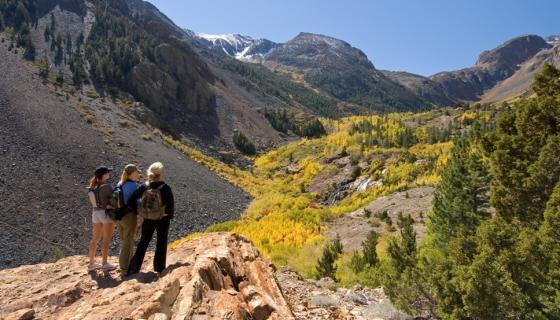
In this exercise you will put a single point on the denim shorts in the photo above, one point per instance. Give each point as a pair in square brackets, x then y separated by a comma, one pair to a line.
[99, 216]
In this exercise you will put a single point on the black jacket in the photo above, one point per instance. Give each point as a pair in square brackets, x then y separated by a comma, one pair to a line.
[166, 198]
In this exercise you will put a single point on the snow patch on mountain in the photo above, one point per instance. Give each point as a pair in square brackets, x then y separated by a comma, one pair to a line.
[553, 40]
[238, 46]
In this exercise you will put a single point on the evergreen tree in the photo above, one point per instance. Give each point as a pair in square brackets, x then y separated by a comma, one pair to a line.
[357, 262]
[549, 254]
[44, 69]
[311, 129]
[461, 196]
[525, 153]
[326, 263]
[26, 43]
[59, 53]
[68, 43]
[60, 78]
[369, 248]
[336, 246]
[547, 82]
[243, 143]
[47, 34]
[53, 23]
[79, 42]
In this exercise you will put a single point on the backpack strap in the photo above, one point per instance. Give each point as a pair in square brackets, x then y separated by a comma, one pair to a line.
[96, 194]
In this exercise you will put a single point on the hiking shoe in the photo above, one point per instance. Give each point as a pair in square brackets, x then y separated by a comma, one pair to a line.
[93, 266]
[109, 267]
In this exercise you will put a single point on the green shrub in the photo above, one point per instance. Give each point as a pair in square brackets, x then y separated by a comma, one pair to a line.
[384, 216]
[311, 129]
[243, 143]
[357, 262]
[225, 226]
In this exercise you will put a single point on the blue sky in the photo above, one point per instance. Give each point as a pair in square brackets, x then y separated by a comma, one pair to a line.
[419, 36]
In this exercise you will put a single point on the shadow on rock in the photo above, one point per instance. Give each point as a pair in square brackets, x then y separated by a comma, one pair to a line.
[105, 279]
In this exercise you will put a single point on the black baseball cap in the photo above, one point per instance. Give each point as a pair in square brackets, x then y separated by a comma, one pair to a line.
[101, 170]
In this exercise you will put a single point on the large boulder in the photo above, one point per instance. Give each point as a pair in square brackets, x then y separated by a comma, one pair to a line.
[215, 276]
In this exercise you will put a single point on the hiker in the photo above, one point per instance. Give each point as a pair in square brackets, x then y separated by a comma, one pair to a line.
[99, 194]
[153, 202]
[126, 219]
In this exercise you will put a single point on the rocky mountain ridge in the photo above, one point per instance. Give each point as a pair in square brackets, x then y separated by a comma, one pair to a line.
[241, 47]
[482, 82]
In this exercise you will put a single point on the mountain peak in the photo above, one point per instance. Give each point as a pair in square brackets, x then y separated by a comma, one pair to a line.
[320, 38]
[513, 51]
[553, 39]
[236, 45]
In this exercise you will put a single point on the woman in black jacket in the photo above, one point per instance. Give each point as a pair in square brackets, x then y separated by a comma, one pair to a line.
[161, 226]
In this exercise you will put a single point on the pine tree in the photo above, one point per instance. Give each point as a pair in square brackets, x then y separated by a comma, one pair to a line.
[53, 23]
[525, 153]
[243, 143]
[44, 69]
[60, 78]
[325, 265]
[369, 248]
[547, 82]
[549, 234]
[408, 235]
[28, 47]
[47, 34]
[357, 262]
[59, 53]
[461, 196]
[68, 43]
[336, 246]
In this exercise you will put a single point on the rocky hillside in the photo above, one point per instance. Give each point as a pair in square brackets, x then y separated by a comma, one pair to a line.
[422, 86]
[342, 71]
[520, 82]
[491, 67]
[330, 66]
[50, 143]
[214, 276]
[130, 51]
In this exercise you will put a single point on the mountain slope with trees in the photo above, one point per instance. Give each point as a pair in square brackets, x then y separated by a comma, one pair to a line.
[516, 247]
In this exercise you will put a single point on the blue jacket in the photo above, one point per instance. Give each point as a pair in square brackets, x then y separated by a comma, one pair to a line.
[128, 189]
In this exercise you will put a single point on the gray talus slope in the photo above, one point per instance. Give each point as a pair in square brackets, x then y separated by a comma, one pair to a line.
[48, 151]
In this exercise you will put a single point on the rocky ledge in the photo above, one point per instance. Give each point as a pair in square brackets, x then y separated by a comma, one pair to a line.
[215, 276]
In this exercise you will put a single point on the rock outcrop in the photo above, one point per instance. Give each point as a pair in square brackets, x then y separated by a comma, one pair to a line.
[215, 276]
[323, 299]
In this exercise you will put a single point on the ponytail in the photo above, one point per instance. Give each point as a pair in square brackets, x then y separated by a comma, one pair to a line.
[93, 183]
[124, 177]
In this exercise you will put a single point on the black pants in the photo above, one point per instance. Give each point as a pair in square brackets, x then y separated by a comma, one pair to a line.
[148, 228]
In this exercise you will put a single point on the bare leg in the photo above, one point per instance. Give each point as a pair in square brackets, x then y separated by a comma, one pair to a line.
[107, 237]
[97, 228]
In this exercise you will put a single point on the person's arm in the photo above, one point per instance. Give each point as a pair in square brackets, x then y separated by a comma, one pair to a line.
[169, 202]
[92, 200]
